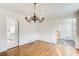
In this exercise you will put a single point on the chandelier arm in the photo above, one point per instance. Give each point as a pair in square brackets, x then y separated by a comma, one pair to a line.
[29, 20]
[38, 19]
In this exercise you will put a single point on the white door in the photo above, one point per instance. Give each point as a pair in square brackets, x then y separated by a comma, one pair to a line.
[12, 33]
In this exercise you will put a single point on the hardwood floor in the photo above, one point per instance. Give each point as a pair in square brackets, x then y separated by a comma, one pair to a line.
[41, 48]
[3, 53]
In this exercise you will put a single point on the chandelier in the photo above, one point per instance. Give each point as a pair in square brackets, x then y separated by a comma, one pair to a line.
[34, 18]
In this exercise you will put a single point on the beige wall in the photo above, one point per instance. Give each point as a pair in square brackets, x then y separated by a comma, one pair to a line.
[77, 29]
[77, 35]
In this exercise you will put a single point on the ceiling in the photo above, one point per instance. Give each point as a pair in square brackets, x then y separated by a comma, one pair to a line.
[49, 9]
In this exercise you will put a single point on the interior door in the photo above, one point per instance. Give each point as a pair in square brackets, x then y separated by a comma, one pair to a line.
[12, 33]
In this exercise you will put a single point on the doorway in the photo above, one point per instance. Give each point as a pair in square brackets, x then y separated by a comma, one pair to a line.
[67, 31]
[12, 33]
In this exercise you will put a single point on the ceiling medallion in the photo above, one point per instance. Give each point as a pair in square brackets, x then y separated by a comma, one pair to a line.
[34, 18]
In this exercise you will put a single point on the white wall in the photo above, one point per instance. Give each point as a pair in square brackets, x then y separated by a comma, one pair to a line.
[46, 30]
[2, 34]
[27, 30]
[4, 14]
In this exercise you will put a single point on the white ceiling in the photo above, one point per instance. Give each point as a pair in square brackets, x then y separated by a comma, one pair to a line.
[49, 9]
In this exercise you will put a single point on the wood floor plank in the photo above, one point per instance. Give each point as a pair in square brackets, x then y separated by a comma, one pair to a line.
[41, 48]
